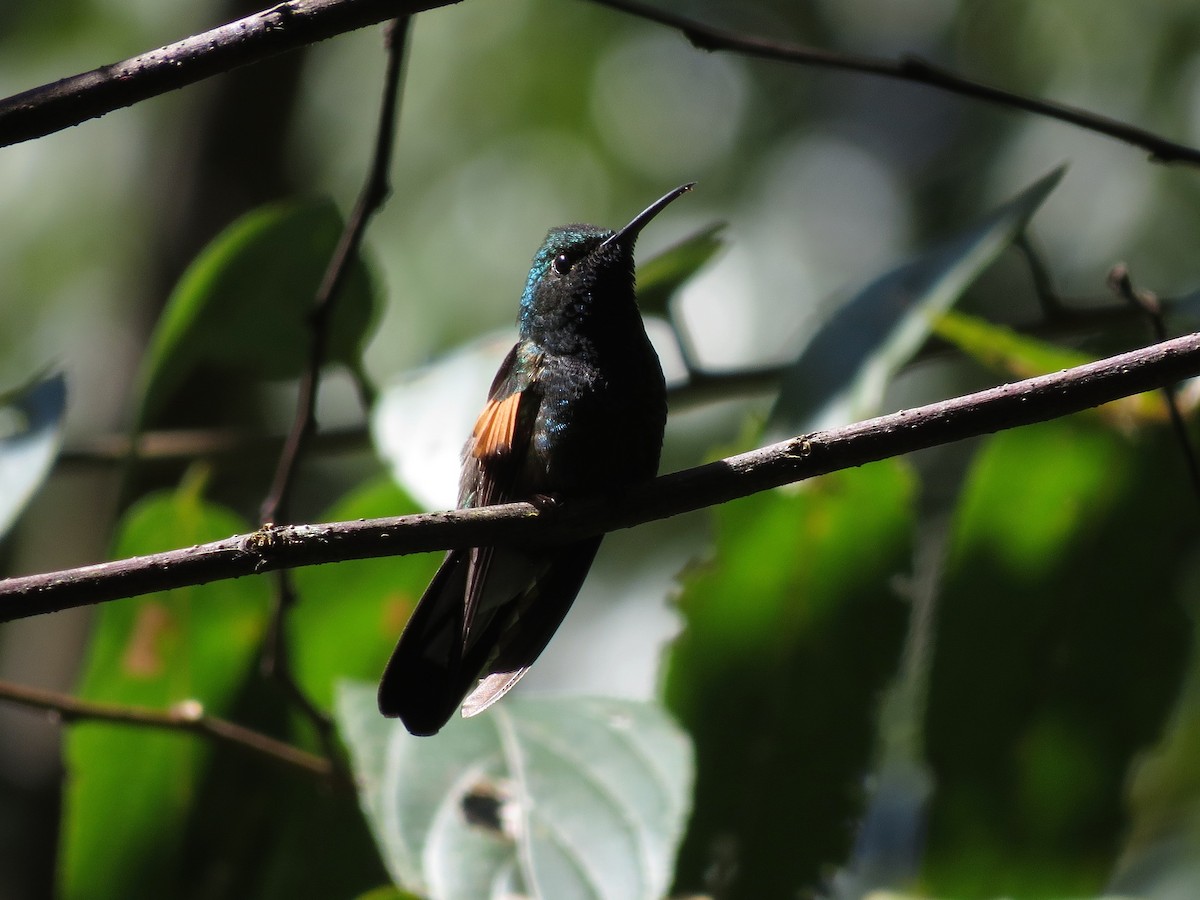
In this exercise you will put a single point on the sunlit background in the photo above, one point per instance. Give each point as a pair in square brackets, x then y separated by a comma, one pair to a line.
[518, 115]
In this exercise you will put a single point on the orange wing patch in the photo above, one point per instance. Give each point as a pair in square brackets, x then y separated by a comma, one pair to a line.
[496, 428]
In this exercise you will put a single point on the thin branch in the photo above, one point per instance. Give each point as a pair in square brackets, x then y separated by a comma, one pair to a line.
[285, 26]
[276, 664]
[188, 716]
[375, 190]
[912, 69]
[1148, 303]
[374, 193]
[52, 107]
[1007, 406]
[1051, 303]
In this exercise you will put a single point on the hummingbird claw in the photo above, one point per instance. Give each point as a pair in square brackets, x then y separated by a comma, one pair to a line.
[545, 502]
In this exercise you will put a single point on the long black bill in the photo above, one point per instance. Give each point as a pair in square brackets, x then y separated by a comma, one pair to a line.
[630, 231]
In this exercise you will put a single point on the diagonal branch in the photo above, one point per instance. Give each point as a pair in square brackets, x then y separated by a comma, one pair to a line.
[275, 508]
[285, 26]
[281, 547]
[187, 716]
[374, 192]
[911, 69]
[52, 107]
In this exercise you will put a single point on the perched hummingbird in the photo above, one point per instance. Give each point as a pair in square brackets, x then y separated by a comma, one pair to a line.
[578, 408]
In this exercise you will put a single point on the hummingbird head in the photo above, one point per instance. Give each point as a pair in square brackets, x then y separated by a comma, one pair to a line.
[581, 282]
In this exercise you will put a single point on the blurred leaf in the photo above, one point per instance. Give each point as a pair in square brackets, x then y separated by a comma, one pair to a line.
[31, 421]
[842, 373]
[1161, 854]
[130, 789]
[350, 615]
[1003, 350]
[1059, 654]
[791, 633]
[423, 418]
[552, 797]
[1183, 313]
[387, 892]
[1015, 355]
[244, 303]
[262, 831]
[662, 275]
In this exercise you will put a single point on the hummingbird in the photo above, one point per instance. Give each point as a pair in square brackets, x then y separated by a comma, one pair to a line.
[577, 409]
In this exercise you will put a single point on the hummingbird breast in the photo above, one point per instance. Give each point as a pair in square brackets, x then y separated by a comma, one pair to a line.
[600, 422]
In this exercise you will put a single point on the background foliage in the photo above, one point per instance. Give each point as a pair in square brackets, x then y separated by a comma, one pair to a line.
[968, 673]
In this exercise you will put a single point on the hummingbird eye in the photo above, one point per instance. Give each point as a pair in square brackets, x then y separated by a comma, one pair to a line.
[561, 264]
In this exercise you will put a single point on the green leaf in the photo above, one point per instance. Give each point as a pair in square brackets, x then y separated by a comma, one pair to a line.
[579, 798]
[31, 420]
[662, 275]
[1003, 350]
[1060, 650]
[842, 374]
[130, 789]
[351, 614]
[791, 632]
[387, 892]
[422, 417]
[244, 302]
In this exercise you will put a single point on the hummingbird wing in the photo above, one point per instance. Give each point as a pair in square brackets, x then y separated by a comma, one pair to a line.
[455, 628]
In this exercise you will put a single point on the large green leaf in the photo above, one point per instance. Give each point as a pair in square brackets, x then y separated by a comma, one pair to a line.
[244, 303]
[842, 373]
[1059, 653]
[351, 614]
[30, 432]
[791, 632]
[552, 797]
[130, 789]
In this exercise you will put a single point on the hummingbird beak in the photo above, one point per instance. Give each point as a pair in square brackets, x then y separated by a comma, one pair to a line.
[627, 234]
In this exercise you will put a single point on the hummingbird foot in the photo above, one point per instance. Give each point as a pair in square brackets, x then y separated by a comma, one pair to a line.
[545, 502]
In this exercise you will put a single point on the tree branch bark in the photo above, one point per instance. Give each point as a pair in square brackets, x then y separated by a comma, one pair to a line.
[52, 107]
[188, 716]
[907, 68]
[285, 26]
[279, 547]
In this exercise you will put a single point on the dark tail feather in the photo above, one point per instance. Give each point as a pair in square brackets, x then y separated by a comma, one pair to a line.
[556, 590]
[425, 679]
[428, 675]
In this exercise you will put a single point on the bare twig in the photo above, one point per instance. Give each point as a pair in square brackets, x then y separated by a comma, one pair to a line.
[276, 664]
[374, 192]
[187, 716]
[275, 661]
[1147, 303]
[1007, 406]
[285, 26]
[911, 69]
[1051, 303]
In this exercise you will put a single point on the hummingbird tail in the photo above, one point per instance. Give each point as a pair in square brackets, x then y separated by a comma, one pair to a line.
[425, 679]
[542, 612]
[430, 672]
